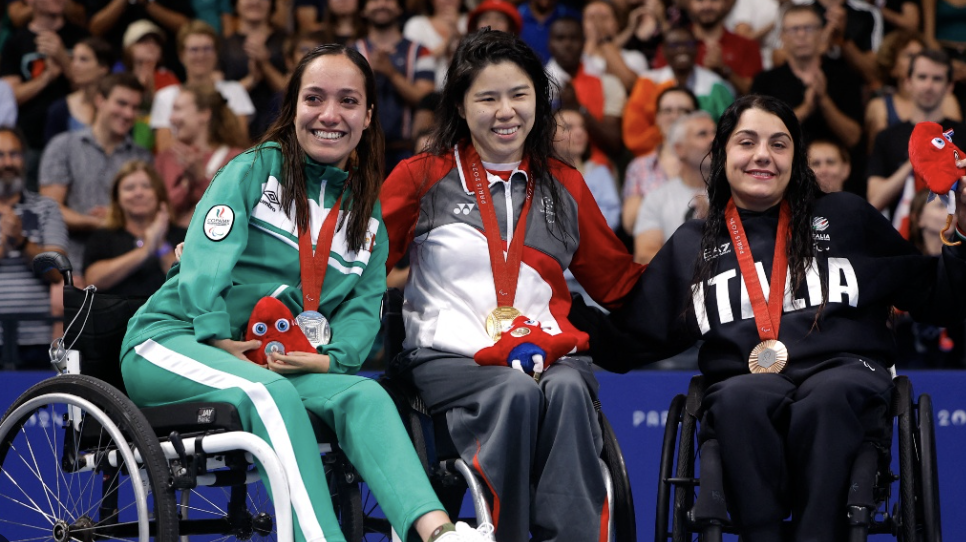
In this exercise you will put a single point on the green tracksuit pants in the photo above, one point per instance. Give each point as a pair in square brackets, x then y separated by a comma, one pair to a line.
[173, 367]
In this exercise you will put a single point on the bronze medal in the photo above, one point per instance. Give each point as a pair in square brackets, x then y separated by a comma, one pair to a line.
[768, 357]
[499, 320]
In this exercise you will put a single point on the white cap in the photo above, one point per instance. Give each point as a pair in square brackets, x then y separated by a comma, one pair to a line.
[140, 28]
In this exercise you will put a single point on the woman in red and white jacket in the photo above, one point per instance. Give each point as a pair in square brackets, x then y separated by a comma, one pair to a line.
[489, 205]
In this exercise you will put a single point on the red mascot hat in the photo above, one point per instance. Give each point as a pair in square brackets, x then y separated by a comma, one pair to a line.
[933, 156]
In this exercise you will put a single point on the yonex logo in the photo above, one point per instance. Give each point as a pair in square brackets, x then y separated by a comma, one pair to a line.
[463, 208]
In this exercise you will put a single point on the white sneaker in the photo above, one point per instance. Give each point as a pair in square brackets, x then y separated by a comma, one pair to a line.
[465, 533]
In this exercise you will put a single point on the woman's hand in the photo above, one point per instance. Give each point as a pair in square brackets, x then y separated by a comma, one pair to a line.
[155, 233]
[298, 362]
[236, 348]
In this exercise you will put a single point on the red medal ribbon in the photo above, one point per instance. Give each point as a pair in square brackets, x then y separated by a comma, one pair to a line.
[505, 271]
[767, 317]
[313, 266]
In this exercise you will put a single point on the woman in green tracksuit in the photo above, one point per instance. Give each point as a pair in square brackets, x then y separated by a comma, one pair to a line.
[186, 343]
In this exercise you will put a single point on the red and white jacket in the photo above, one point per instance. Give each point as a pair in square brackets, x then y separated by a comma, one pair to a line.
[429, 209]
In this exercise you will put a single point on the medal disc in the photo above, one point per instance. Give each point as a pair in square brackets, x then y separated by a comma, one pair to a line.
[768, 357]
[315, 327]
[500, 320]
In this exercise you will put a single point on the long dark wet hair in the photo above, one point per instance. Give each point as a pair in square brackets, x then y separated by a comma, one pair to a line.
[475, 52]
[365, 164]
[800, 194]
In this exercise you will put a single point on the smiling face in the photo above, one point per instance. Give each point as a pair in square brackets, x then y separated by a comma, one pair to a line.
[199, 55]
[187, 121]
[136, 196]
[499, 108]
[758, 163]
[331, 113]
[118, 111]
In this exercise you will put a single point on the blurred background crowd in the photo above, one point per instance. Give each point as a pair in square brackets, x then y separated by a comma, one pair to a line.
[116, 114]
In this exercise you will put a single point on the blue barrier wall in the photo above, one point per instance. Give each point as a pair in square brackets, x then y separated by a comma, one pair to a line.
[636, 405]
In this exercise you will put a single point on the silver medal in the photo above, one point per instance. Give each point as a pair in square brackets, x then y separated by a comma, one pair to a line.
[315, 327]
[274, 347]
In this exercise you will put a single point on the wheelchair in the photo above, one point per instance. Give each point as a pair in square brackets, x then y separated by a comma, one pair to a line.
[691, 507]
[80, 462]
[452, 478]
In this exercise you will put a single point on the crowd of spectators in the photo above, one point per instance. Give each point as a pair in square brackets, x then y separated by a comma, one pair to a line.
[121, 111]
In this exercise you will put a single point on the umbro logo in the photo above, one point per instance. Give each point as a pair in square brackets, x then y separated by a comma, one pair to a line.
[463, 208]
[270, 199]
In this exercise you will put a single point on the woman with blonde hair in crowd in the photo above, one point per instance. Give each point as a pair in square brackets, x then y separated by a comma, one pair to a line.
[206, 136]
[132, 254]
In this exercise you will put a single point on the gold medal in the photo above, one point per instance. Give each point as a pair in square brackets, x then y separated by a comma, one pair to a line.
[768, 357]
[500, 320]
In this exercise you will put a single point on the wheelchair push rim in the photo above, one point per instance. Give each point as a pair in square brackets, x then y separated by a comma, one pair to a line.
[76, 464]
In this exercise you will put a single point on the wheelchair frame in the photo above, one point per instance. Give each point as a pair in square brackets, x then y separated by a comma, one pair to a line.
[449, 474]
[915, 516]
[105, 435]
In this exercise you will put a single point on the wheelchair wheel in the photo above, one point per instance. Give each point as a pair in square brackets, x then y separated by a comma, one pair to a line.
[625, 524]
[928, 471]
[69, 468]
[346, 497]
[684, 496]
[666, 469]
[907, 462]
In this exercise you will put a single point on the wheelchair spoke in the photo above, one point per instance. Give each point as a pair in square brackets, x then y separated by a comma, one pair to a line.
[36, 507]
[34, 467]
[52, 444]
[33, 506]
[45, 537]
[116, 489]
[213, 510]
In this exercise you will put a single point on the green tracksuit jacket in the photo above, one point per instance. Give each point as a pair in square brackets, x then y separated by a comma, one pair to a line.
[241, 246]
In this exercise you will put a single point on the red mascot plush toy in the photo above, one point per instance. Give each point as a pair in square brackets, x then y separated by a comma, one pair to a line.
[271, 322]
[933, 156]
[527, 347]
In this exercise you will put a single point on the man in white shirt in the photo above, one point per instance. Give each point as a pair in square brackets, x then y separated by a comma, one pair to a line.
[677, 200]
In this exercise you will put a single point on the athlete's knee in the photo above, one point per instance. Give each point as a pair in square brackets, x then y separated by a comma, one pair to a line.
[520, 393]
[566, 384]
[284, 394]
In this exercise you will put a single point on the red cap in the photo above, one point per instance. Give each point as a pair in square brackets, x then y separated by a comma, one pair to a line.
[503, 7]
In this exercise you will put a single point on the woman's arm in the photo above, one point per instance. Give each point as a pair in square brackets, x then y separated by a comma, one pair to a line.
[355, 322]
[400, 209]
[217, 241]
